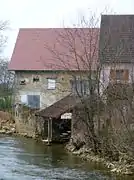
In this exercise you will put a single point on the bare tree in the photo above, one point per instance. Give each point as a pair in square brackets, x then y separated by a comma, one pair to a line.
[6, 77]
[4, 25]
[118, 127]
[76, 51]
[106, 104]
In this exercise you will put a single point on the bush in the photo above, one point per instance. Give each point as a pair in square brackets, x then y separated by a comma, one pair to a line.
[5, 103]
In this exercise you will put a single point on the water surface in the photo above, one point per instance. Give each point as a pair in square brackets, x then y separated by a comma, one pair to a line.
[25, 159]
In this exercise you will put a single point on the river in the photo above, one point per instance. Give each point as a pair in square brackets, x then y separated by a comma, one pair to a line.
[25, 159]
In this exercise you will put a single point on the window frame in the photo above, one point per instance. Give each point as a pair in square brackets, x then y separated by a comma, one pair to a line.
[49, 87]
[36, 79]
[33, 96]
[120, 76]
[79, 86]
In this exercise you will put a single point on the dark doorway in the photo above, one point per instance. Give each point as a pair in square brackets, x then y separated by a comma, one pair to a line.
[61, 130]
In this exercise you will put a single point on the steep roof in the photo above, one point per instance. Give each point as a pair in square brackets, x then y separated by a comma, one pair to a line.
[117, 38]
[47, 48]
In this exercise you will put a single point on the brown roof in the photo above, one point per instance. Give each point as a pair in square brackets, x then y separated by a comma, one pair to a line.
[117, 38]
[60, 107]
[32, 48]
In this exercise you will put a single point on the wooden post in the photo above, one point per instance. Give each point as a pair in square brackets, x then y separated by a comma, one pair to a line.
[49, 131]
[72, 125]
[51, 128]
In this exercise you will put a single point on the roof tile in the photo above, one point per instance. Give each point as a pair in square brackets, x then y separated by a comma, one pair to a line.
[32, 48]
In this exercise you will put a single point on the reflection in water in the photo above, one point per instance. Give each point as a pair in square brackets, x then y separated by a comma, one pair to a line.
[25, 159]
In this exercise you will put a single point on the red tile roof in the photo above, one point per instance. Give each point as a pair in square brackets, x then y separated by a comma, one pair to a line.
[32, 48]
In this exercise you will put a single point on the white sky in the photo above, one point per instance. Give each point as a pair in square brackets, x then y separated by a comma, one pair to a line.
[52, 13]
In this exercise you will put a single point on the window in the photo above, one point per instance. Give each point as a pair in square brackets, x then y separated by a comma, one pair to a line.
[80, 86]
[33, 101]
[51, 83]
[119, 74]
[24, 99]
[23, 82]
[36, 79]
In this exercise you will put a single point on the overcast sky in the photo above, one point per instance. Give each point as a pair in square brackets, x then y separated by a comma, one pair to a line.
[52, 13]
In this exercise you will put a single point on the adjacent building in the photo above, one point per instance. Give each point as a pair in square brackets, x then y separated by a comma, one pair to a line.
[116, 47]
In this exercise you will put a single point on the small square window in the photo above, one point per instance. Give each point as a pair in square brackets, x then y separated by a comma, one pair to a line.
[23, 82]
[51, 83]
[36, 79]
[119, 74]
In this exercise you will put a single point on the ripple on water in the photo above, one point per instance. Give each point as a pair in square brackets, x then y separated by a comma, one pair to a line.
[23, 159]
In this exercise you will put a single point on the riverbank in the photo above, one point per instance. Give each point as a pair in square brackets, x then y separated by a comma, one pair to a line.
[125, 167]
[24, 126]
[8, 126]
[7, 123]
[10, 129]
[121, 167]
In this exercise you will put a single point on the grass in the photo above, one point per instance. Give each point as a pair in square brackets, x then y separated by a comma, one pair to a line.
[6, 103]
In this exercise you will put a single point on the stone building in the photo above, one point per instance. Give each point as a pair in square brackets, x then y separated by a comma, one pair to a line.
[45, 67]
[45, 61]
[51, 63]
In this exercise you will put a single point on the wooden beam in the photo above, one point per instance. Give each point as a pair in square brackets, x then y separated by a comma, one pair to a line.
[72, 126]
[49, 131]
[51, 128]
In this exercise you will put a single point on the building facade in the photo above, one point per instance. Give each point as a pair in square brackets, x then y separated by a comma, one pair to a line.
[116, 49]
[48, 70]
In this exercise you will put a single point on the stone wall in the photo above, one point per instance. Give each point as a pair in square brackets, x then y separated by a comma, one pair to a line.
[29, 125]
[47, 97]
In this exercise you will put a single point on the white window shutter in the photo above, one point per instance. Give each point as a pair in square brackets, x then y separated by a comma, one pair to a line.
[24, 99]
[51, 83]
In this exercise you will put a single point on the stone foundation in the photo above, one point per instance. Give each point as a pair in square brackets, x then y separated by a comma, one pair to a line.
[27, 124]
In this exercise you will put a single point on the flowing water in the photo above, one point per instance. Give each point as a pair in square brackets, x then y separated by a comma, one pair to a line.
[25, 159]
